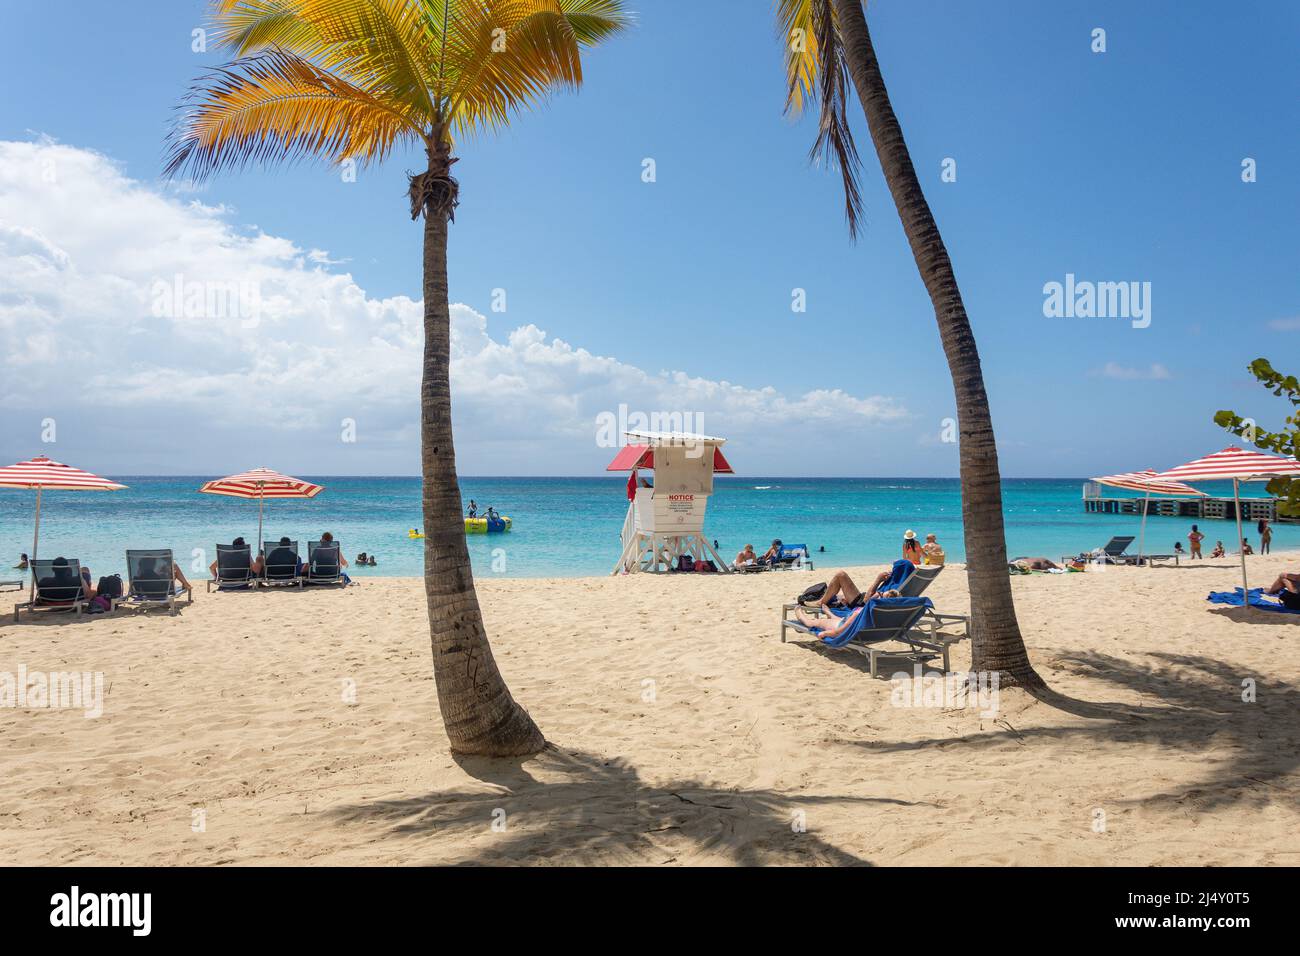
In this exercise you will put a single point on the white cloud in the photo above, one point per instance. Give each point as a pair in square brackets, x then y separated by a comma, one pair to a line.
[1154, 372]
[115, 294]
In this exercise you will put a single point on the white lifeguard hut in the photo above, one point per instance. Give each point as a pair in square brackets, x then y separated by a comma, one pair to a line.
[666, 521]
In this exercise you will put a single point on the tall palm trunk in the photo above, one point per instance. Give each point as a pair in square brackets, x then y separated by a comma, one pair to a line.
[480, 715]
[996, 640]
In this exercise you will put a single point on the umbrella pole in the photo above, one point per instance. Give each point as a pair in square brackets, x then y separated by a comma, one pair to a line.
[36, 540]
[260, 499]
[1245, 590]
[1142, 539]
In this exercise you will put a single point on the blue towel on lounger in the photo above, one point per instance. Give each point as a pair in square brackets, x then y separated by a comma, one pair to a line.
[865, 618]
[899, 573]
[1257, 599]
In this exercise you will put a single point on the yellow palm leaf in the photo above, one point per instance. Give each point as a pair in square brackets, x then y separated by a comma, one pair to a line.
[817, 72]
[274, 105]
[307, 69]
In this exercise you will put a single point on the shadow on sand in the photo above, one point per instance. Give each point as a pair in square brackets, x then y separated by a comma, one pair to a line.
[601, 811]
[1201, 701]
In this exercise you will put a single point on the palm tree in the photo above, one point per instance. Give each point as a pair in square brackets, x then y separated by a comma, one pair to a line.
[351, 80]
[829, 46]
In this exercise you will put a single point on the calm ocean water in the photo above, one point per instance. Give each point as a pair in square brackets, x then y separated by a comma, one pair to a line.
[570, 526]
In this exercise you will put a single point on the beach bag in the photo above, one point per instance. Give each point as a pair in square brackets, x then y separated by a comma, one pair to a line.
[706, 566]
[686, 563]
[110, 586]
[812, 595]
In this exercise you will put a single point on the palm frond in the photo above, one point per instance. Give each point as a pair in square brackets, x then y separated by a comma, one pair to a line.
[274, 106]
[507, 55]
[375, 44]
[817, 71]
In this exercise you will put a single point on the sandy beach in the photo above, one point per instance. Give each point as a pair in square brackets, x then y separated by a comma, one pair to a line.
[682, 732]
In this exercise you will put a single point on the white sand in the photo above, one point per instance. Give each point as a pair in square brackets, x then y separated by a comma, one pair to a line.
[236, 708]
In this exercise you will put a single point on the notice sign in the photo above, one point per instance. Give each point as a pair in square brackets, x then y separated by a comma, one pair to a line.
[680, 512]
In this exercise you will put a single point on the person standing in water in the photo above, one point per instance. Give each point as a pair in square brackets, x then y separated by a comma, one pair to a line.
[1265, 535]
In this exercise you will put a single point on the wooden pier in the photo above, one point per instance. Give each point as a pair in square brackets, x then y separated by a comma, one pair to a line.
[1252, 509]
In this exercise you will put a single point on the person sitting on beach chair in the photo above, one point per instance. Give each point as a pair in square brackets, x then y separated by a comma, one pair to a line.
[62, 584]
[255, 568]
[841, 587]
[769, 556]
[150, 579]
[746, 558]
[933, 550]
[283, 562]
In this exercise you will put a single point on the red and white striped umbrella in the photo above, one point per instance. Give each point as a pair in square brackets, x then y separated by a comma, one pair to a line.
[261, 483]
[1237, 465]
[1242, 464]
[40, 473]
[1152, 484]
[1149, 481]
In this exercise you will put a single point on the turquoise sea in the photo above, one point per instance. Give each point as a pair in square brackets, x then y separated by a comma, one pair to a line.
[567, 527]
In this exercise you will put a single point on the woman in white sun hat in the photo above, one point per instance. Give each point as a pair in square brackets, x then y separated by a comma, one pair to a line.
[912, 548]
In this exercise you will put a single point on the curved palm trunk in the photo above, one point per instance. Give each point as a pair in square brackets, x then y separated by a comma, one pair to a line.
[997, 644]
[480, 715]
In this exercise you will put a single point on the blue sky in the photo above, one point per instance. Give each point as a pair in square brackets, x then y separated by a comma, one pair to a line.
[1115, 166]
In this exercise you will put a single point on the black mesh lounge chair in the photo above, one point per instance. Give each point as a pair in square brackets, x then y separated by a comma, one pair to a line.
[323, 566]
[894, 625]
[151, 580]
[282, 567]
[59, 587]
[234, 568]
[926, 632]
[1112, 551]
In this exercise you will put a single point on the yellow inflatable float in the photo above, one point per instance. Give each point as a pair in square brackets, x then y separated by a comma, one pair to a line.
[474, 526]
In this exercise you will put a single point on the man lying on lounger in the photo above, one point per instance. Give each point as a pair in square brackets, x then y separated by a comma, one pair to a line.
[841, 586]
[831, 627]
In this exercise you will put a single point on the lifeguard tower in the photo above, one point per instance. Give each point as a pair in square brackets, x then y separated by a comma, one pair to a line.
[666, 521]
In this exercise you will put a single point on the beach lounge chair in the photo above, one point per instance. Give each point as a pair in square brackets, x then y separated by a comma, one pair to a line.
[282, 567]
[151, 581]
[323, 566]
[790, 556]
[234, 568]
[11, 585]
[60, 589]
[914, 585]
[926, 633]
[884, 625]
[1112, 551]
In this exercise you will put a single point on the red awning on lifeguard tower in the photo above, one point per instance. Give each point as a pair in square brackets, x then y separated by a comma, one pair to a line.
[631, 457]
